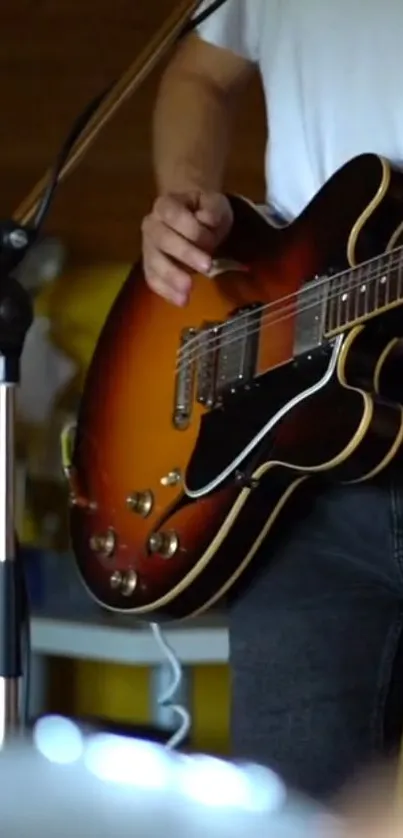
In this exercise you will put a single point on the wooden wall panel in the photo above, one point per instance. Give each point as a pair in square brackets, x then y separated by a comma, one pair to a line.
[54, 57]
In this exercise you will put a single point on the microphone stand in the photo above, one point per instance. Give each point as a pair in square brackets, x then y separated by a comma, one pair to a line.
[16, 315]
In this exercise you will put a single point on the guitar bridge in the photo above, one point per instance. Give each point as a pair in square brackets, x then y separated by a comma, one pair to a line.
[185, 379]
[207, 364]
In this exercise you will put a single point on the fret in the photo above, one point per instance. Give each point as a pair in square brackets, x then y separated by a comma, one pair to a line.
[340, 307]
[382, 281]
[358, 289]
[366, 292]
[400, 279]
[342, 299]
[350, 301]
[387, 283]
[356, 294]
[363, 294]
[379, 285]
[333, 303]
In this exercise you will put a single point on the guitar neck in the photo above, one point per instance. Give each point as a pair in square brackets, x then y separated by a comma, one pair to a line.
[362, 292]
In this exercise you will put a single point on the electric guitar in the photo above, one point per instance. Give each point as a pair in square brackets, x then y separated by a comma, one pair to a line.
[197, 424]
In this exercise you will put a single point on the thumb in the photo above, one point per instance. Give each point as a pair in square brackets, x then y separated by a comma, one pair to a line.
[209, 211]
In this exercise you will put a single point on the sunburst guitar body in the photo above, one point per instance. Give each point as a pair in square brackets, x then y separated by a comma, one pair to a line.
[198, 424]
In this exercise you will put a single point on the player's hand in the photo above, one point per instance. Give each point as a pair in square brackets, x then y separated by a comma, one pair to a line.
[180, 236]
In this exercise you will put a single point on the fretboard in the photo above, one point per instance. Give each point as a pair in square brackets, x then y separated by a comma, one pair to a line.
[361, 292]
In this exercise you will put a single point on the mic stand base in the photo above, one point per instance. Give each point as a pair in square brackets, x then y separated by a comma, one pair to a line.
[11, 723]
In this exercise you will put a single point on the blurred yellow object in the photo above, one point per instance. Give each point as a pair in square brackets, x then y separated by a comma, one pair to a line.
[77, 305]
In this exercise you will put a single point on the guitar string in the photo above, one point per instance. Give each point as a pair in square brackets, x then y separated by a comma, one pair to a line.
[194, 343]
[309, 288]
[199, 352]
[199, 349]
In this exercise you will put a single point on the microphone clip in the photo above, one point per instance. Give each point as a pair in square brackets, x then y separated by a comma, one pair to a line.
[15, 241]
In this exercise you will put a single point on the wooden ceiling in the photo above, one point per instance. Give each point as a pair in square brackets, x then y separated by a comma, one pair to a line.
[54, 57]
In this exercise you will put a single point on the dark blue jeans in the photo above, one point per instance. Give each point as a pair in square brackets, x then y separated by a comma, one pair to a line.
[316, 639]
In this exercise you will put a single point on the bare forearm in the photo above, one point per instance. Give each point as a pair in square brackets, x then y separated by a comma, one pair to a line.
[191, 135]
[192, 123]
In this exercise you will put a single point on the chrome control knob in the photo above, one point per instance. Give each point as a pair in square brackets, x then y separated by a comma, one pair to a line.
[104, 544]
[141, 503]
[164, 544]
[124, 581]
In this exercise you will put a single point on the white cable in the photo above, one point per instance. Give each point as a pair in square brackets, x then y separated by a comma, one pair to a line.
[165, 700]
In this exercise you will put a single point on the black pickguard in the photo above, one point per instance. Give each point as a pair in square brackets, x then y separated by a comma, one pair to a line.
[225, 432]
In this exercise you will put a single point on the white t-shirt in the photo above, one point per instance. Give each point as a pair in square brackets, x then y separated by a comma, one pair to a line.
[332, 72]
